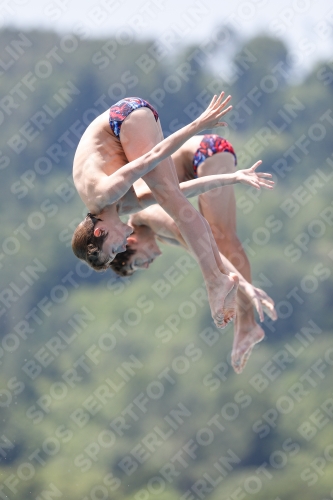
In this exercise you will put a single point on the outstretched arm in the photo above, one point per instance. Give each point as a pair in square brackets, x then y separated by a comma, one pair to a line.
[112, 188]
[248, 176]
[195, 187]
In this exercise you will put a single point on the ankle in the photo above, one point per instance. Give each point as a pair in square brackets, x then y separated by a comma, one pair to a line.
[214, 278]
[246, 317]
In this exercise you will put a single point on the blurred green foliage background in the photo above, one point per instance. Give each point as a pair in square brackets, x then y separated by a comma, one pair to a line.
[122, 388]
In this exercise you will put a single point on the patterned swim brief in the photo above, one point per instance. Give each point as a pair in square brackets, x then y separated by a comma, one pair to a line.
[122, 108]
[209, 146]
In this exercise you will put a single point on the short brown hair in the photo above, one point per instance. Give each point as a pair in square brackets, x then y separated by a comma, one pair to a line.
[121, 259]
[88, 247]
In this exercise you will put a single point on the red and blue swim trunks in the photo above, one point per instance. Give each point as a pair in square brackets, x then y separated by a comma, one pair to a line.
[122, 108]
[209, 146]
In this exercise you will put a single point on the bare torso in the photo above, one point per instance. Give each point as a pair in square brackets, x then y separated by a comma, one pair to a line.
[99, 154]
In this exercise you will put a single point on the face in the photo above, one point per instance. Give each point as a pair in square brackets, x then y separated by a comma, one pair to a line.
[146, 251]
[116, 236]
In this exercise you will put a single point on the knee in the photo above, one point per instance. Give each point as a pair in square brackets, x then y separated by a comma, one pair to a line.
[228, 164]
[221, 163]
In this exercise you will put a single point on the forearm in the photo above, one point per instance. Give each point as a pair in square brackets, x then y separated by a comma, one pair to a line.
[190, 188]
[201, 185]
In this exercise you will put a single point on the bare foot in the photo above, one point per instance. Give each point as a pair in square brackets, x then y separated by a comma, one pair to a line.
[222, 299]
[244, 340]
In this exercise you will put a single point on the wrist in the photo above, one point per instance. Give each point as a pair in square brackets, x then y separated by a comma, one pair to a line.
[195, 127]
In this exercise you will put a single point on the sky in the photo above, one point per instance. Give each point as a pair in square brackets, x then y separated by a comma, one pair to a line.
[305, 25]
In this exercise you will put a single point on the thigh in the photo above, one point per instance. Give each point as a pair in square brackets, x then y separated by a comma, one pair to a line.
[139, 134]
[219, 163]
[219, 205]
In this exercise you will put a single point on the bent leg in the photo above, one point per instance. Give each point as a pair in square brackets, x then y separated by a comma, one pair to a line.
[219, 208]
[139, 134]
